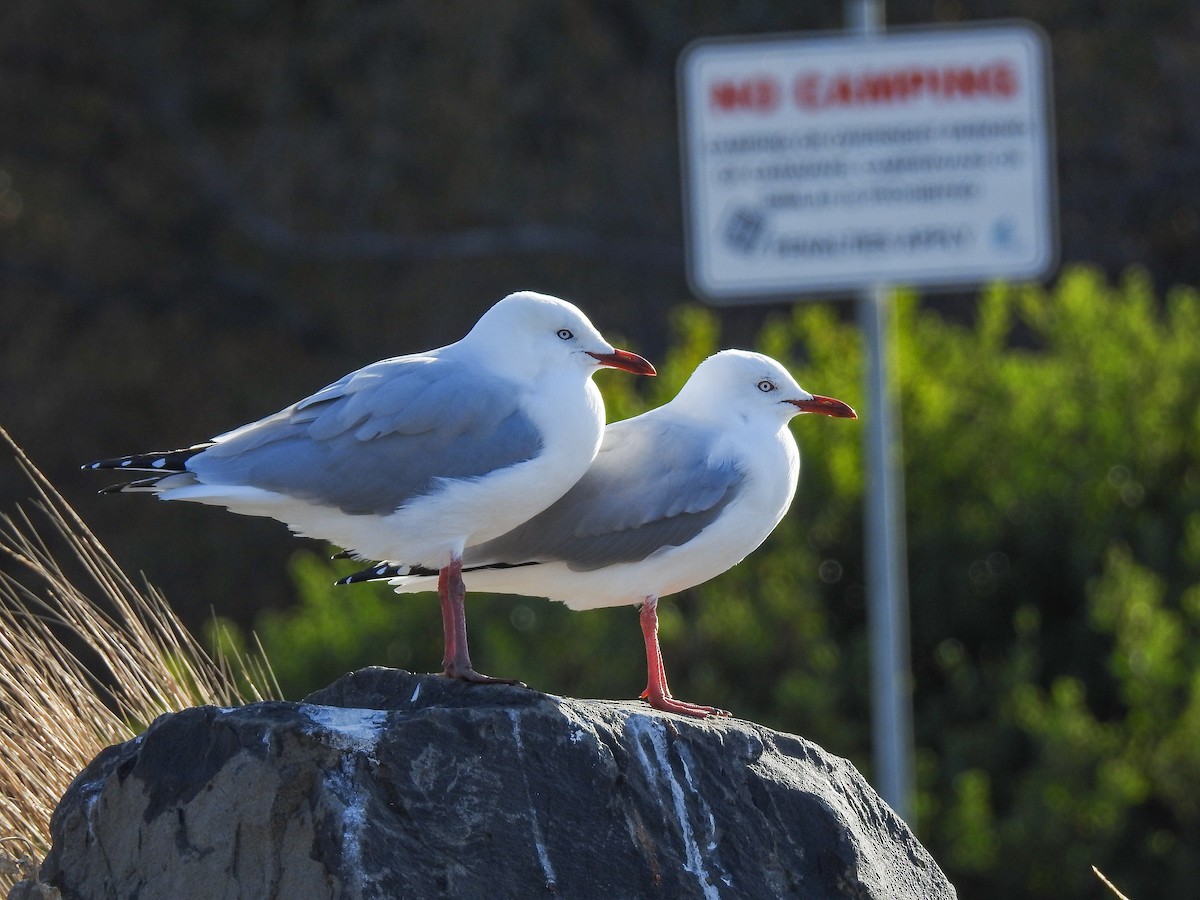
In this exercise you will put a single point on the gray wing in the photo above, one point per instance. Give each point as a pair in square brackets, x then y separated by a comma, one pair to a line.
[652, 486]
[379, 437]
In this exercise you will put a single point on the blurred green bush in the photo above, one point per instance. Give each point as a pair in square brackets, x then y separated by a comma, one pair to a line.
[1052, 465]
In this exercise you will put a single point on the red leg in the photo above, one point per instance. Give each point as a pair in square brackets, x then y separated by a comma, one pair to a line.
[657, 694]
[656, 674]
[457, 657]
[447, 618]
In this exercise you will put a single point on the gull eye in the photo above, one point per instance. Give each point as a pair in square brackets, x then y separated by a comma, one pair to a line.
[565, 334]
[766, 386]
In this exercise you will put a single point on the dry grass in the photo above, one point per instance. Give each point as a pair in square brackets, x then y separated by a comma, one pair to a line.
[1108, 884]
[87, 659]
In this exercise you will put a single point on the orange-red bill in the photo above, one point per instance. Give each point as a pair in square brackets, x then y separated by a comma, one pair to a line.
[825, 406]
[623, 359]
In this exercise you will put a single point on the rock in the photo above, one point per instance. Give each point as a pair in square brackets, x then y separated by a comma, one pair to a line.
[387, 784]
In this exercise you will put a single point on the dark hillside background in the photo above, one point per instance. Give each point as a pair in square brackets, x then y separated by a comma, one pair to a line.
[208, 210]
[211, 209]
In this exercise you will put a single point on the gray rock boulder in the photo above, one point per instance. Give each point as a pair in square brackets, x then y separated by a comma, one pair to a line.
[388, 784]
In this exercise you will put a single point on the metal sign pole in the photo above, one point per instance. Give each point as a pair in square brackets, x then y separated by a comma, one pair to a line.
[887, 583]
[887, 593]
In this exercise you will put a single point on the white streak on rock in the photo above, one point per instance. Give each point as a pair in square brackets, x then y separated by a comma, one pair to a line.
[651, 728]
[357, 729]
[539, 842]
[686, 760]
[342, 783]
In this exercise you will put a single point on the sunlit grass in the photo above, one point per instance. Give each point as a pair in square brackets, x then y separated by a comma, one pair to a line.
[87, 659]
[1108, 884]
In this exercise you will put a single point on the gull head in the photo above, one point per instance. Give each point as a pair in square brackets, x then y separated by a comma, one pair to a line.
[752, 386]
[528, 332]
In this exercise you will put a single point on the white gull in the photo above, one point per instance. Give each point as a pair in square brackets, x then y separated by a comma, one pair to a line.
[417, 457]
[676, 496]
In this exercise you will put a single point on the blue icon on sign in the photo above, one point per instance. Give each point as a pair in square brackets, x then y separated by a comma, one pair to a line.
[744, 229]
[1004, 234]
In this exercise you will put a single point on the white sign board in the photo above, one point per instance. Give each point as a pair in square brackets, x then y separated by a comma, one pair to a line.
[815, 164]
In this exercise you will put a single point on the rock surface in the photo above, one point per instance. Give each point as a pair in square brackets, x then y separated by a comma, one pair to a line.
[387, 784]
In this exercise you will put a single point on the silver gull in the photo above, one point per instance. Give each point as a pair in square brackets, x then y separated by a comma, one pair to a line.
[418, 456]
[675, 497]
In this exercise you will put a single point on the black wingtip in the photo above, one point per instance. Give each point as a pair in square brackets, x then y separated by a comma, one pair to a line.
[163, 461]
[379, 572]
[100, 465]
[142, 484]
[359, 577]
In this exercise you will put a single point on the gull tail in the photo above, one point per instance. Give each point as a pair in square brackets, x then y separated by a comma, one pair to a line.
[387, 571]
[394, 572]
[163, 462]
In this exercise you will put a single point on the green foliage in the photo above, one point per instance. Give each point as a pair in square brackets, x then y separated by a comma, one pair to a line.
[1053, 485]
[1052, 464]
[333, 630]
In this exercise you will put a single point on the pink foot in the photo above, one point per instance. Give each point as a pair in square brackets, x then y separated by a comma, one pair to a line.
[657, 694]
[468, 674]
[683, 708]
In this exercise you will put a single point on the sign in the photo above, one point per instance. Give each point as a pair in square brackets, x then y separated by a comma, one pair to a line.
[815, 164]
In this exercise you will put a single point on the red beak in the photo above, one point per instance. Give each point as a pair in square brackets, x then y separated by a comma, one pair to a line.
[623, 359]
[826, 406]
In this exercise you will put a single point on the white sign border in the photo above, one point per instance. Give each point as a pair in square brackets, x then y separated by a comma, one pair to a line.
[840, 287]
